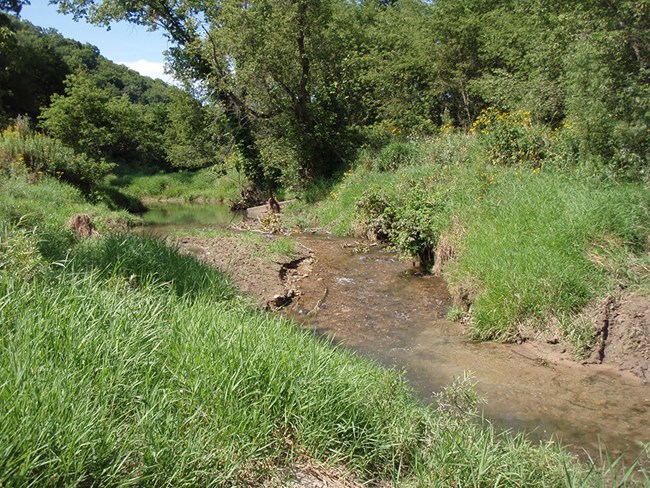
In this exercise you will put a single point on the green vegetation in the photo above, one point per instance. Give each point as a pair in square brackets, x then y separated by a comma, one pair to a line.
[128, 363]
[23, 151]
[202, 185]
[526, 239]
[328, 76]
[502, 143]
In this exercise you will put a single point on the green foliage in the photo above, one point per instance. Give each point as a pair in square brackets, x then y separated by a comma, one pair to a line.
[395, 155]
[146, 259]
[19, 255]
[522, 235]
[411, 219]
[96, 120]
[208, 184]
[23, 151]
[510, 138]
[196, 136]
[47, 204]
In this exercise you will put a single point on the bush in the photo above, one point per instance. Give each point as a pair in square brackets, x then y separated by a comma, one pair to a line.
[411, 219]
[396, 155]
[510, 138]
[38, 154]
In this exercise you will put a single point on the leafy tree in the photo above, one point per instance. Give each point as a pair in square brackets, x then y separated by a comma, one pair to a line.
[196, 135]
[12, 5]
[103, 123]
[273, 66]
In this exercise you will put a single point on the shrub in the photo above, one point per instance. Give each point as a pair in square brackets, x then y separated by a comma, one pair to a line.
[34, 153]
[396, 155]
[411, 220]
[510, 138]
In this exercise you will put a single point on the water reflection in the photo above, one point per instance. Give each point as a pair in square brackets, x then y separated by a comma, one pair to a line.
[163, 218]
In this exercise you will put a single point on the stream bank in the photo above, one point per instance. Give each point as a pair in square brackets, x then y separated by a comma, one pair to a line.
[366, 299]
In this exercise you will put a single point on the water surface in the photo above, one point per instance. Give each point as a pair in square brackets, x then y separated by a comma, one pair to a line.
[376, 305]
[165, 218]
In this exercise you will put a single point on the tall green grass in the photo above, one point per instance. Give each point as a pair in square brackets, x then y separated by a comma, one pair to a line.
[526, 247]
[47, 205]
[126, 363]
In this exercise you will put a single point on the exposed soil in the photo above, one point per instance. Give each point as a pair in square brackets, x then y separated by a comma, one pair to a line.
[271, 280]
[623, 333]
[82, 225]
[622, 324]
[368, 300]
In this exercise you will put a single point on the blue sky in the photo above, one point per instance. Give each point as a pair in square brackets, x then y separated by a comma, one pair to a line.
[125, 43]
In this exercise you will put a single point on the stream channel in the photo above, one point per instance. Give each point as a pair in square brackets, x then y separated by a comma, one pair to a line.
[383, 309]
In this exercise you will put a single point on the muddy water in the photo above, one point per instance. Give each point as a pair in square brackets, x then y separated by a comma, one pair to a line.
[164, 218]
[376, 305]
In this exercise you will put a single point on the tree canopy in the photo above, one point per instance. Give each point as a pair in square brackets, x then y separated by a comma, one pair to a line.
[294, 86]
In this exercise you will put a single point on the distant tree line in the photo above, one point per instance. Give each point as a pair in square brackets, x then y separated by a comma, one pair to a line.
[293, 87]
[97, 107]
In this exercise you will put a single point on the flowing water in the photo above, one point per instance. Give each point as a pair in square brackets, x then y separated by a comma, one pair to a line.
[378, 306]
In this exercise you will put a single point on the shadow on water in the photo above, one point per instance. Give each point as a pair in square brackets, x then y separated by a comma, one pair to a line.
[372, 304]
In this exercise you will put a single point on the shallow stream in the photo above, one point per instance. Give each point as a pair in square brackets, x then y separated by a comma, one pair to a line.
[380, 307]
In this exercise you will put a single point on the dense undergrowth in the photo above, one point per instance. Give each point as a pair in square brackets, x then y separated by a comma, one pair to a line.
[123, 362]
[521, 230]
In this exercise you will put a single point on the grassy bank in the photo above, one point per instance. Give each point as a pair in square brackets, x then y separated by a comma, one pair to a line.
[127, 363]
[184, 186]
[526, 242]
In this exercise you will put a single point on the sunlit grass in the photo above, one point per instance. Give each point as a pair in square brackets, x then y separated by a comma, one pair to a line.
[204, 184]
[125, 363]
[530, 244]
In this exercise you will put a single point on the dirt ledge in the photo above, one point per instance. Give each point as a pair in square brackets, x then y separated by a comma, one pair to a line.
[270, 280]
[622, 326]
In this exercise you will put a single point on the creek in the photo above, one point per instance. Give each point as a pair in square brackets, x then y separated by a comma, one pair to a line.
[382, 308]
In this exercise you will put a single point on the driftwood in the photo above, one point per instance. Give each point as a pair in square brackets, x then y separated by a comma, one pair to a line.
[261, 210]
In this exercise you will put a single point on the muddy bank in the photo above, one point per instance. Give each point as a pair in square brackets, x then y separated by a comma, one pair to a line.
[271, 280]
[384, 309]
[623, 333]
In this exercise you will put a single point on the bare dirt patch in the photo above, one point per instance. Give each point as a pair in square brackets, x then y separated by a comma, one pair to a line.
[623, 334]
[269, 278]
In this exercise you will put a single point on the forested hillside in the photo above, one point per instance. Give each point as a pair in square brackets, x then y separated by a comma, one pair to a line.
[68, 92]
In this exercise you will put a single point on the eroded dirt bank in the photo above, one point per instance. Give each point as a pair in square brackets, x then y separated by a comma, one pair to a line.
[271, 280]
[381, 307]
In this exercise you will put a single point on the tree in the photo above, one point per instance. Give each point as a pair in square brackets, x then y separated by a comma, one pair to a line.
[102, 123]
[12, 5]
[273, 66]
[196, 135]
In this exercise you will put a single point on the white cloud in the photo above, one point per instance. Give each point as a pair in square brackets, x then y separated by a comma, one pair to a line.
[148, 68]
